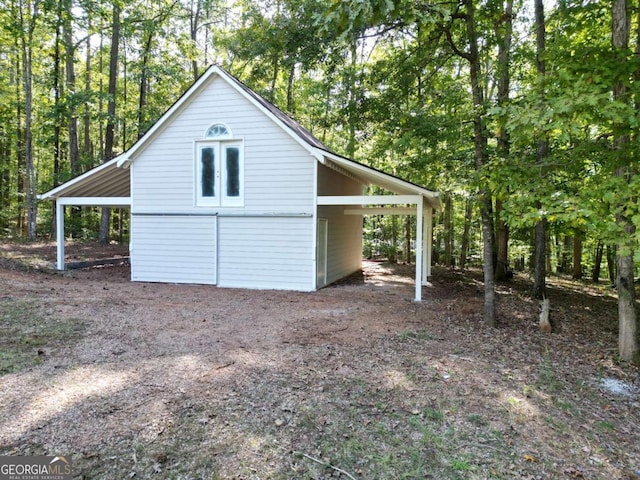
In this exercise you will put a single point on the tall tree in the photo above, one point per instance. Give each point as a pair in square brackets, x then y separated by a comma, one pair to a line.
[111, 110]
[504, 32]
[480, 140]
[57, 93]
[539, 278]
[627, 318]
[27, 13]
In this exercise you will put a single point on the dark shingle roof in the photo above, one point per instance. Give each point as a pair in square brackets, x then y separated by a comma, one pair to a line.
[302, 132]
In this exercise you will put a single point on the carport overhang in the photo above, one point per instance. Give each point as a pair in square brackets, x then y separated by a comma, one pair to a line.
[407, 199]
[104, 186]
[379, 205]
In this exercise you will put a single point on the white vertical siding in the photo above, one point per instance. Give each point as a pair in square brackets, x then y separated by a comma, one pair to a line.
[176, 249]
[266, 252]
[344, 245]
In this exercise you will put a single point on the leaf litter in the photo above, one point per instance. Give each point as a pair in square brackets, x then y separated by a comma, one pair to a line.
[355, 380]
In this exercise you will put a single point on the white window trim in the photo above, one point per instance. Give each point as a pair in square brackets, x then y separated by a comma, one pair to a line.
[221, 199]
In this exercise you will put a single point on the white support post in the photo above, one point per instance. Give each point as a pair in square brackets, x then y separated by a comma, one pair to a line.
[60, 235]
[419, 252]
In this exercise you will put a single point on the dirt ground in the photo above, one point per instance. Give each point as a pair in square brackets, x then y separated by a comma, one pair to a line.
[142, 380]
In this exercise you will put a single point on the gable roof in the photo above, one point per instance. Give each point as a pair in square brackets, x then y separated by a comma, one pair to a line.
[288, 124]
[109, 179]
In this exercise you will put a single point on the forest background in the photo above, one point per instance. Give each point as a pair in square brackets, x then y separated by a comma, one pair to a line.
[523, 114]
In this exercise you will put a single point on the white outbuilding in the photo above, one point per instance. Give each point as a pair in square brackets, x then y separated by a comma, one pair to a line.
[226, 189]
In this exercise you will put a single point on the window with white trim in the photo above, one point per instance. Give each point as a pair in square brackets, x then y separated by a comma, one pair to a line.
[219, 169]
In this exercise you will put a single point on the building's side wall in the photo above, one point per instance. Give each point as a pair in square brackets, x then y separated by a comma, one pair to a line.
[278, 198]
[344, 238]
[177, 249]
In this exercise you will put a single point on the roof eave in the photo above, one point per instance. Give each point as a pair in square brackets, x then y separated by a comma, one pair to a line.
[432, 198]
[61, 189]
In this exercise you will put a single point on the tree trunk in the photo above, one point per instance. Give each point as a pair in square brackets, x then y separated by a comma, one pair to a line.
[611, 264]
[57, 92]
[597, 262]
[74, 152]
[464, 244]
[144, 84]
[31, 187]
[274, 78]
[111, 112]
[393, 258]
[20, 155]
[352, 99]
[548, 247]
[438, 241]
[577, 256]
[101, 89]
[5, 179]
[540, 264]
[194, 21]
[86, 143]
[480, 155]
[504, 30]
[448, 230]
[539, 274]
[407, 240]
[290, 82]
[566, 247]
[627, 320]
[502, 244]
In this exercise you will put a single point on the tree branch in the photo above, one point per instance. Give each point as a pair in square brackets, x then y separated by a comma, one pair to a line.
[456, 50]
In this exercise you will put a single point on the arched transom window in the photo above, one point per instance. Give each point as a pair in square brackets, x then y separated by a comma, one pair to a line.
[218, 131]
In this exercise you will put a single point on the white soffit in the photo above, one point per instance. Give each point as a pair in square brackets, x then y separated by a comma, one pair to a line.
[106, 180]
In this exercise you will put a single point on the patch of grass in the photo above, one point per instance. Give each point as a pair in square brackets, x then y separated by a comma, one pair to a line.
[26, 331]
[419, 335]
[433, 415]
[565, 405]
[460, 464]
[548, 377]
[605, 426]
[477, 419]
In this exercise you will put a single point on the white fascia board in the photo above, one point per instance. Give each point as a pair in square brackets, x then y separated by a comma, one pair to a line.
[96, 201]
[54, 193]
[369, 199]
